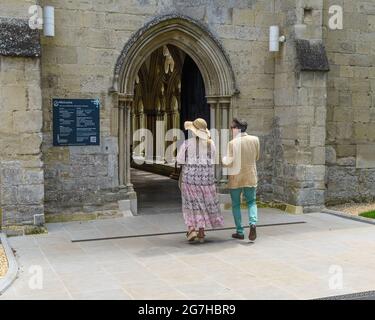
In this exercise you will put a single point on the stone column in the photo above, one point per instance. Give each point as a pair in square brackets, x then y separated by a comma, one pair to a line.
[124, 116]
[176, 126]
[121, 149]
[127, 177]
[215, 132]
[219, 107]
[135, 127]
[142, 124]
[224, 138]
[160, 134]
[142, 120]
[124, 136]
[149, 140]
[300, 111]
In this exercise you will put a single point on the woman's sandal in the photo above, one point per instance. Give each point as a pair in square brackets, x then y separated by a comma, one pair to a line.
[191, 235]
[201, 236]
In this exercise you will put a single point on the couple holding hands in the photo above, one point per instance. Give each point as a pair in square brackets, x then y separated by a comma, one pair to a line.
[200, 204]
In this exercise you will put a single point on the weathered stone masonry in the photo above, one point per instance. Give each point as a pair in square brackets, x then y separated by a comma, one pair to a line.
[315, 119]
[21, 166]
[351, 104]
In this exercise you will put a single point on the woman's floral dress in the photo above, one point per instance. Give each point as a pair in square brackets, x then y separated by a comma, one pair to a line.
[200, 204]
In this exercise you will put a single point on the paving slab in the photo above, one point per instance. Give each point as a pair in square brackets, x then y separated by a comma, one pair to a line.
[295, 261]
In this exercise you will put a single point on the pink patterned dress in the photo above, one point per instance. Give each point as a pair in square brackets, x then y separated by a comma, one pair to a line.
[200, 204]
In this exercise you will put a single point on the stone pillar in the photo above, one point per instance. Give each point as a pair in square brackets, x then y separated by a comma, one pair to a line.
[124, 144]
[140, 124]
[135, 127]
[175, 126]
[127, 111]
[160, 137]
[124, 128]
[220, 111]
[215, 133]
[300, 110]
[121, 138]
[224, 138]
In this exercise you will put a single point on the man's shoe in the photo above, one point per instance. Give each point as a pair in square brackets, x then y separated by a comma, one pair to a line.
[238, 236]
[253, 233]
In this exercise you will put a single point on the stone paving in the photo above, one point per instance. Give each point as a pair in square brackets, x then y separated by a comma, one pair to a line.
[286, 262]
[155, 189]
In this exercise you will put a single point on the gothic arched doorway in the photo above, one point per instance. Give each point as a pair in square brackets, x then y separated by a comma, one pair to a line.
[169, 90]
[205, 54]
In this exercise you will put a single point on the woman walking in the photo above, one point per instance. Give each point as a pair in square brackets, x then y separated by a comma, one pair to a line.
[200, 205]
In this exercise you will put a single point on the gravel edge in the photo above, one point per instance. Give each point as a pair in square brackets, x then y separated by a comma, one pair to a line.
[349, 216]
[12, 273]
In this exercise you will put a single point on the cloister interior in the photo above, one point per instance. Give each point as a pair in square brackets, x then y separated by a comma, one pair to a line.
[169, 90]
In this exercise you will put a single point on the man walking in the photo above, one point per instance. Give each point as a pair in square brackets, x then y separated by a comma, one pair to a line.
[243, 152]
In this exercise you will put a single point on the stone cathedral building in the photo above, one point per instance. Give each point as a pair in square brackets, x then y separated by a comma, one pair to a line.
[152, 62]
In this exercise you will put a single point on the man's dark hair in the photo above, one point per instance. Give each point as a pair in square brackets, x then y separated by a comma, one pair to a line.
[239, 124]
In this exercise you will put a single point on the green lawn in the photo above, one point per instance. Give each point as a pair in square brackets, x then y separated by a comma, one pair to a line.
[370, 214]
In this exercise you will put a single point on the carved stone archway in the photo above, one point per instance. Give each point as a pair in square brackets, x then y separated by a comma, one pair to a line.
[198, 42]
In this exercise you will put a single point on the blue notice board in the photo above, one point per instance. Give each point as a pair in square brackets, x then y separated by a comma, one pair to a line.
[76, 122]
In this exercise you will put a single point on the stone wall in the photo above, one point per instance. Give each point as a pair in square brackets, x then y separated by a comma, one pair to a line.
[78, 63]
[245, 38]
[21, 167]
[16, 8]
[300, 109]
[317, 133]
[351, 103]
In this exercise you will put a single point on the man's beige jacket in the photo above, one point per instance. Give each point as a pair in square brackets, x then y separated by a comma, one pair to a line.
[242, 154]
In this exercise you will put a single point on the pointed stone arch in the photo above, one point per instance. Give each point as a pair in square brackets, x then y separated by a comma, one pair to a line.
[189, 35]
[195, 39]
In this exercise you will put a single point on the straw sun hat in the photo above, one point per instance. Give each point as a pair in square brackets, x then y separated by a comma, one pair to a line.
[198, 127]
